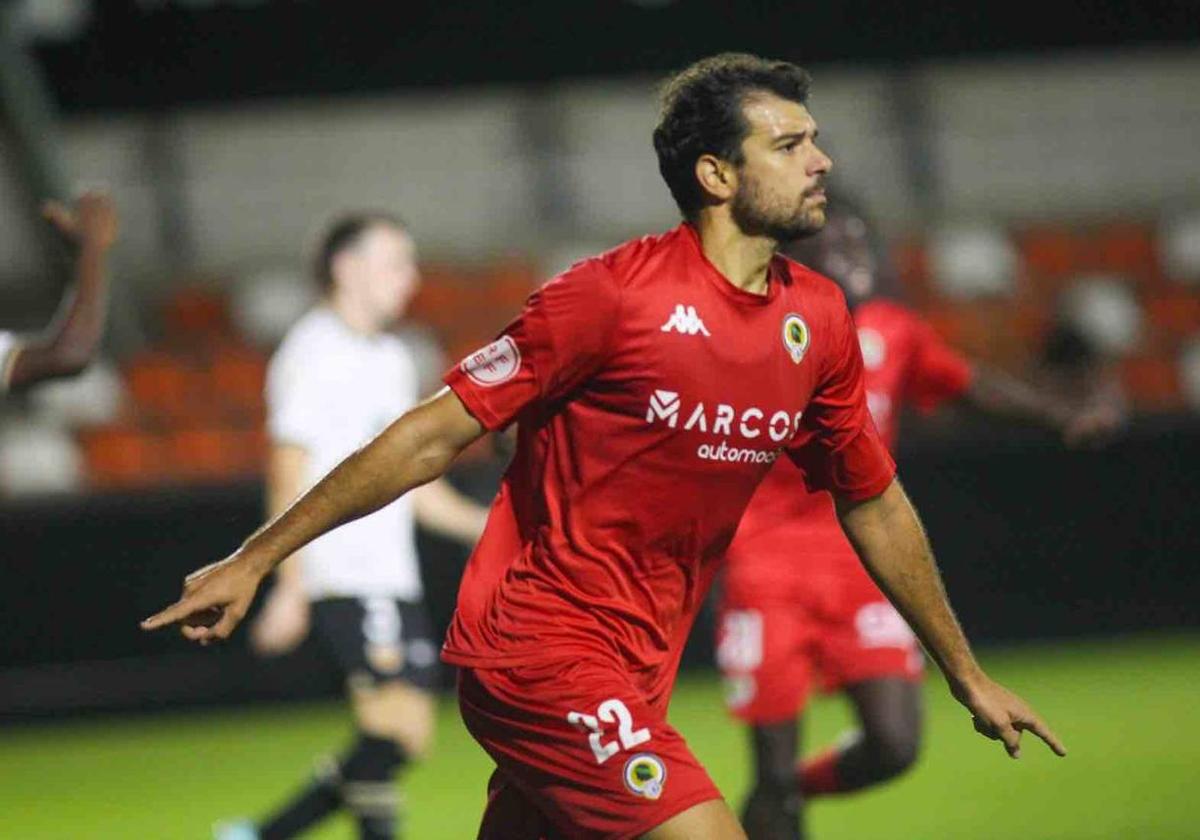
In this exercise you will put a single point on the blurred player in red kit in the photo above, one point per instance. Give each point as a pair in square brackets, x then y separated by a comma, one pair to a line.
[652, 387]
[798, 610]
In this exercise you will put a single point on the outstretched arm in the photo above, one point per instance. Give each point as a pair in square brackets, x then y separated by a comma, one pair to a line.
[889, 538]
[66, 346]
[998, 393]
[415, 449]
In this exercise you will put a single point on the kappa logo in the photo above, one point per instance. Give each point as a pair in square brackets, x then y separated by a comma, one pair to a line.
[685, 321]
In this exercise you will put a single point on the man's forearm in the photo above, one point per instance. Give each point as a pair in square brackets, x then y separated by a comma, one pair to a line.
[888, 537]
[415, 449]
[66, 346]
[84, 322]
[997, 393]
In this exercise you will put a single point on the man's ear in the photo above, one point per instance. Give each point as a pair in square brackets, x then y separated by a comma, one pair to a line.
[717, 177]
[339, 265]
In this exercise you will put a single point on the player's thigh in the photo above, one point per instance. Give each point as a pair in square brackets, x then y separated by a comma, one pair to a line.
[583, 747]
[710, 820]
[889, 709]
[764, 652]
[776, 751]
[397, 710]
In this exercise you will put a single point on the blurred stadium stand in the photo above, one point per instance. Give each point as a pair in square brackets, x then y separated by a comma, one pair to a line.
[1044, 210]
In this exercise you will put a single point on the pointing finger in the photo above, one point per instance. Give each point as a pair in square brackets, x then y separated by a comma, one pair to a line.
[1039, 728]
[180, 609]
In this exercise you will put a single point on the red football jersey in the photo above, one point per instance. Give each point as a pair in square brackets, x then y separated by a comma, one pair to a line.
[651, 397]
[790, 544]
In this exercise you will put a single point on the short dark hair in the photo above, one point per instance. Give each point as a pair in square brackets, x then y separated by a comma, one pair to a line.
[702, 114]
[342, 233]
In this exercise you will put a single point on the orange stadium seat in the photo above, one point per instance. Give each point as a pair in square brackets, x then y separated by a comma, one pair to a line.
[1152, 382]
[996, 331]
[236, 376]
[122, 456]
[161, 385]
[1176, 313]
[206, 453]
[248, 450]
[1050, 253]
[195, 314]
[1126, 248]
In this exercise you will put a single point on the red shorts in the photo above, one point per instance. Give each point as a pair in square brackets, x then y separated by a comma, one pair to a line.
[771, 653]
[579, 753]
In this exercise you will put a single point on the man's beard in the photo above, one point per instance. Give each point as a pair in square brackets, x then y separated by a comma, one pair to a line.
[757, 217]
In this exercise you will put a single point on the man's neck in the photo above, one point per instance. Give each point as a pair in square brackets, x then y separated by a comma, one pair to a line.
[352, 316]
[743, 260]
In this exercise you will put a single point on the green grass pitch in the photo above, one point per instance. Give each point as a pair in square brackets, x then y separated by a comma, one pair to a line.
[1125, 708]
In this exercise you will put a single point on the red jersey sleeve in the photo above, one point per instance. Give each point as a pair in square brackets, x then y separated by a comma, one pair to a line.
[559, 339]
[938, 373]
[838, 448]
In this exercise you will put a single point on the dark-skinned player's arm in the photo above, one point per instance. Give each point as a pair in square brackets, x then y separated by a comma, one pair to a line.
[938, 372]
[997, 393]
[413, 450]
[66, 346]
[887, 534]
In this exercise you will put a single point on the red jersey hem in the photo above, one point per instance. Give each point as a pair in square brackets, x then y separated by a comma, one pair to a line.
[869, 490]
[479, 410]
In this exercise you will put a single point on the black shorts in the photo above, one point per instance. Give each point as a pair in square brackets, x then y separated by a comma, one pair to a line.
[374, 640]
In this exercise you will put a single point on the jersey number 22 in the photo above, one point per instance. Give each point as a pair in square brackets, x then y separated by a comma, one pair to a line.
[610, 711]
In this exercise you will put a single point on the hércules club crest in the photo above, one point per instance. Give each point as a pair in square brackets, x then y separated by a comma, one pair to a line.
[796, 336]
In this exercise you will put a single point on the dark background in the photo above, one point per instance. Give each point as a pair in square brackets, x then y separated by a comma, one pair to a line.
[154, 53]
[1035, 542]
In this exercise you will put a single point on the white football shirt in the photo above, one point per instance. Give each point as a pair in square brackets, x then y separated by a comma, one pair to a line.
[330, 390]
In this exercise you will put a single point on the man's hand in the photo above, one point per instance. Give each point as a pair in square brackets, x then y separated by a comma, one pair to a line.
[215, 598]
[1002, 716]
[92, 222]
[1094, 424]
[283, 622]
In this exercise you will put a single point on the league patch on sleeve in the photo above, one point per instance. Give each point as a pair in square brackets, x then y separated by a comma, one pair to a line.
[496, 363]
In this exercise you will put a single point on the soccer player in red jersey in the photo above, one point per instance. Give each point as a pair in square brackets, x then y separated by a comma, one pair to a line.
[797, 607]
[652, 387]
